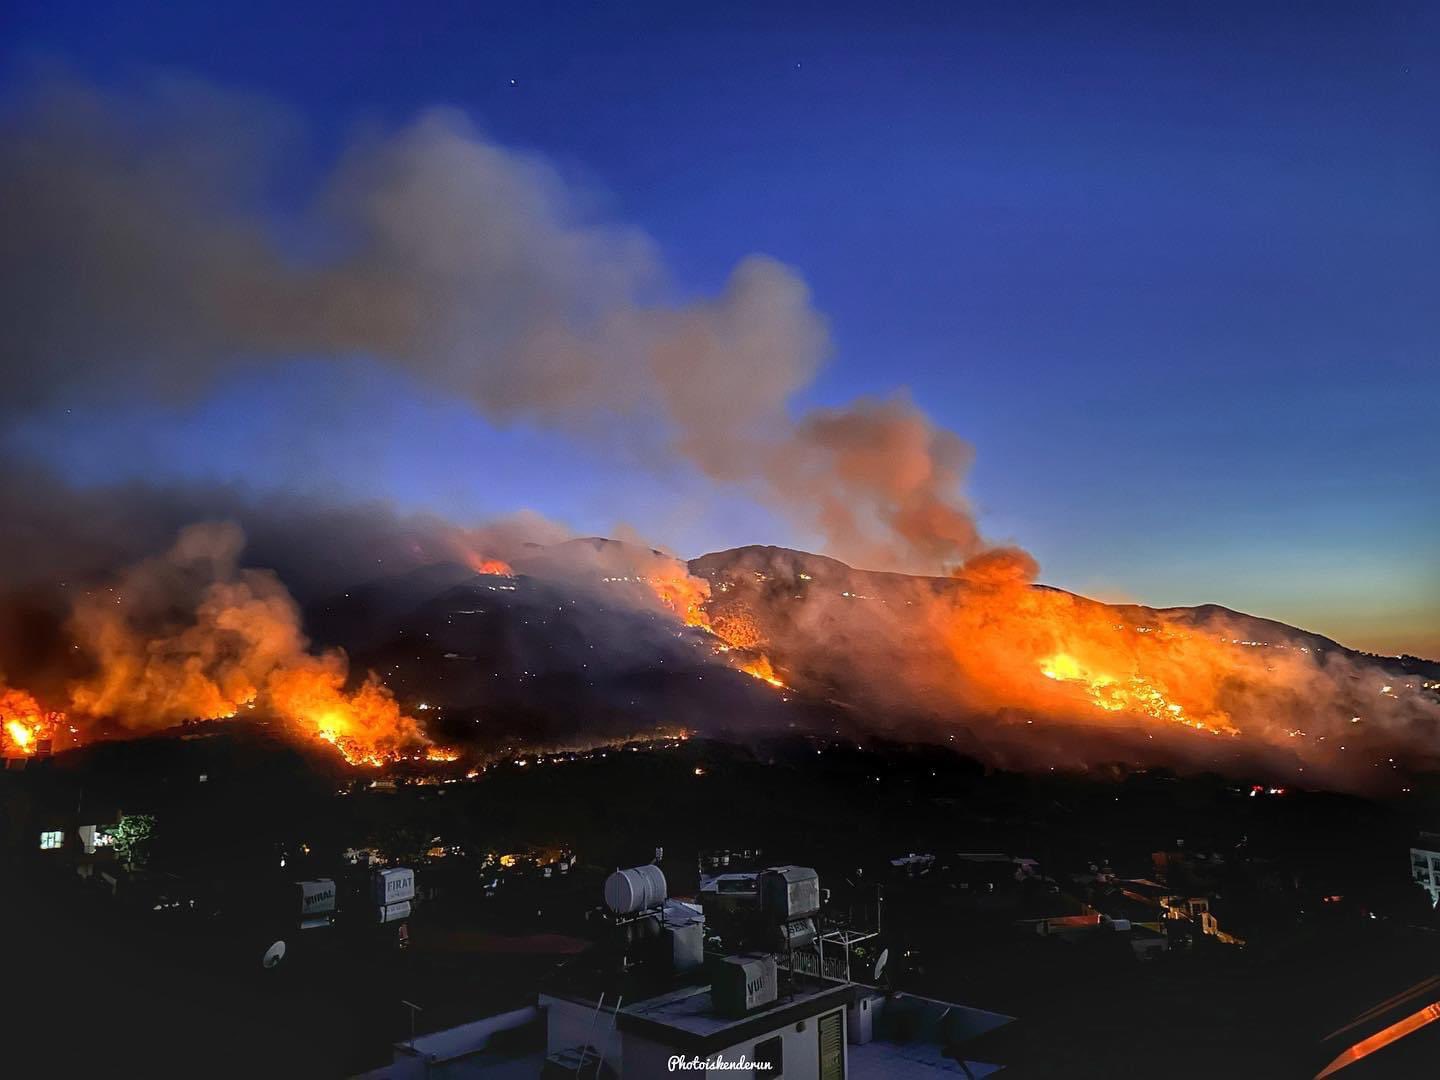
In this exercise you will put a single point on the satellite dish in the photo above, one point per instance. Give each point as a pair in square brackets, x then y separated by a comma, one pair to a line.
[273, 955]
[880, 963]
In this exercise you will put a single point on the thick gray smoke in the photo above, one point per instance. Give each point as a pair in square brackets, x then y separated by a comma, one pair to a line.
[146, 252]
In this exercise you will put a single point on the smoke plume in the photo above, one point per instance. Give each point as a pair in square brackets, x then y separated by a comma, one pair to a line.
[143, 255]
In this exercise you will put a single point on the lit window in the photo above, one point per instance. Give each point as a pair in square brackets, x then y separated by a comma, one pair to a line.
[51, 840]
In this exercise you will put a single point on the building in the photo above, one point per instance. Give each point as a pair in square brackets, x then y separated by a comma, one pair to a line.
[820, 1030]
[654, 1001]
[1425, 865]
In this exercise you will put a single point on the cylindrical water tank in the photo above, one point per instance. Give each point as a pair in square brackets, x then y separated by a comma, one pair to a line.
[640, 887]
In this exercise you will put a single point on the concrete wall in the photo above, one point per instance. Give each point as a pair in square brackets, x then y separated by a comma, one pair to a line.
[431, 1053]
[1426, 870]
[801, 1050]
[571, 1024]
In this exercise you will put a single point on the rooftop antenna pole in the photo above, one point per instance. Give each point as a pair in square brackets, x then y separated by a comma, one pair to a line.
[614, 1023]
[598, 1006]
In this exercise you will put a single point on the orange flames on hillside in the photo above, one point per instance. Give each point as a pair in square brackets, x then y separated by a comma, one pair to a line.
[366, 726]
[192, 635]
[688, 597]
[761, 669]
[1046, 650]
[1133, 693]
[483, 565]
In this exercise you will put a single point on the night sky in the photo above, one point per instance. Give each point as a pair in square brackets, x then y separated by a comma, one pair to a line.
[1173, 273]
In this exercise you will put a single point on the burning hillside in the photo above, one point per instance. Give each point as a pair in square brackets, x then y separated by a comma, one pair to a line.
[594, 637]
[462, 270]
[1032, 675]
[191, 635]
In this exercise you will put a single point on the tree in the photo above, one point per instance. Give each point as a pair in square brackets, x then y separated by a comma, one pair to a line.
[132, 837]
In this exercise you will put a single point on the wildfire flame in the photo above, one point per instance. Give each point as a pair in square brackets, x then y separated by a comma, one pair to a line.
[25, 722]
[482, 565]
[688, 598]
[1012, 643]
[684, 595]
[1133, 694]
[760, 668]
[367, 726]
[192, 633]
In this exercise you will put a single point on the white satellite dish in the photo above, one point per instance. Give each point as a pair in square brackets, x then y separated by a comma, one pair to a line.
[880, 963]
[273, 955]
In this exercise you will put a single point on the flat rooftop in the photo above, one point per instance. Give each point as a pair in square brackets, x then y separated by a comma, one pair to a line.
[687, 1019]
[692, 1008]
[910, 1061]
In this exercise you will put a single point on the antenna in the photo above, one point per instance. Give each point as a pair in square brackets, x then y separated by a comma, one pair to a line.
[589, 1034]
[273, 955]
[614, 1023]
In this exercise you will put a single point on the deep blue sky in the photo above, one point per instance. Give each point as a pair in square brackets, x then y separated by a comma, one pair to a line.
[1173, 273]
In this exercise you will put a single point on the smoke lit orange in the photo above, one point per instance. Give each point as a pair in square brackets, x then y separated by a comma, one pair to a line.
[482, 565]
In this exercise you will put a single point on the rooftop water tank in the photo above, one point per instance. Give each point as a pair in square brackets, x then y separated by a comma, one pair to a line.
[392, 886]
[788, 893]
[636, 889]
[744, 983]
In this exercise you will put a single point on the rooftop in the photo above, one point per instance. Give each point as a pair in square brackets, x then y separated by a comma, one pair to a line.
[910, 1061]
[691, 1010]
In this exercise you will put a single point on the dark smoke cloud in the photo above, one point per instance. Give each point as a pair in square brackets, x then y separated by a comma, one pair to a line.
[55, 532]
[144, 255]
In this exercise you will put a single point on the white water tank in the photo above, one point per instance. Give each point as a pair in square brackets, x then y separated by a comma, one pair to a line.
[640, 887]
[316, 897]
[392, 886]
